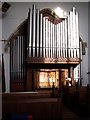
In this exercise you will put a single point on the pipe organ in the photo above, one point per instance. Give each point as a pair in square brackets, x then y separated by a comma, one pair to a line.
[43, 41]
[17, 58]
[58, 38]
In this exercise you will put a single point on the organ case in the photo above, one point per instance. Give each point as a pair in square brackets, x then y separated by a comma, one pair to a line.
[43, 41]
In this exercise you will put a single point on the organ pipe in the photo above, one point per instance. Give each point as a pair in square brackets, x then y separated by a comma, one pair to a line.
[41, 35]
[57, 39]
[44, 36]
[30, 31]
[77, 34]
[71, 34]
[38, 31]
[34, 28]
[69, 37]
[74, 31]
[53, 42]
[49, 39]
[61, 39]
[17, 58]
[66, 45]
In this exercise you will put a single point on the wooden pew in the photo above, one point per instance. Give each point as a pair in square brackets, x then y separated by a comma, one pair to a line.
[36, 105]
[78, 99]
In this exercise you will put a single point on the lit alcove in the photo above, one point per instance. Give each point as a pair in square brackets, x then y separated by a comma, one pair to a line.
[48, 77]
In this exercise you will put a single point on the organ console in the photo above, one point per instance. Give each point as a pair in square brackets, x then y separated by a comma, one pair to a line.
[43, 41]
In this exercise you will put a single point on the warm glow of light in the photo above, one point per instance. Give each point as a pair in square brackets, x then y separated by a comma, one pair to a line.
[59, 12]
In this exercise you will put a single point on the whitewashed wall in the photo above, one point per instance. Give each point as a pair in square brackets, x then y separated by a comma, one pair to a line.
[0, 64]
[89, 42]
[19, 11]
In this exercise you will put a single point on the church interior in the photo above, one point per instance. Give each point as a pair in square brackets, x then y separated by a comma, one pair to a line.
[44, 60]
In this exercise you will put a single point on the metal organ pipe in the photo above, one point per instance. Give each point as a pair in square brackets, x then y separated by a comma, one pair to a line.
[69, 36]
[21, 57]
[51, 38]
[63, 44]
[38, 31]
[18, 55]
[44, 36]
[66, 45]
[57, 40]
[14, 58]
[71, 31]
[74, 31]
[53, 42]
[30, 32]
[77, 34]
[48, 39]
[22, 64]
[34, 28]
[41, 36]
[61, 39]
[11, 60]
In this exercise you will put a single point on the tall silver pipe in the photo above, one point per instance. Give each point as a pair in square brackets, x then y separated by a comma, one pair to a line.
[69, 37]
[53, 42]
[77, 34]
[11, 59]
[38, 31]
[74, 30]
[55, 39]
[22, 38]
[18, 57]
[15, 68]
[51, 38]
[22, 57]
[63, 43]
[61, 39]
[41, 34]
[44, 36]
[30, 31]
[34, 28]
[71, 31]
[66, 38]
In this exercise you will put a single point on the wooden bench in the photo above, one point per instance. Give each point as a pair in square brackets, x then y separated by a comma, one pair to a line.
[39, 107]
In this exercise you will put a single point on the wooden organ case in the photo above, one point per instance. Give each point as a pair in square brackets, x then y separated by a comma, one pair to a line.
[43, 43]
